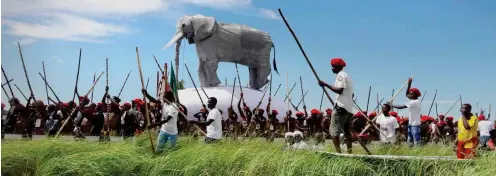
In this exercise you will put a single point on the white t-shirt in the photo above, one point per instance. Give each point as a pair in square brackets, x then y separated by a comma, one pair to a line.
[214, 130]
[434, 128]
[344, 99]
[388, 127]
[414, 112]
[171, 126]
[485, 126]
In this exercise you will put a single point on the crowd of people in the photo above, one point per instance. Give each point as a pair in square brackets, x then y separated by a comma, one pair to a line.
[111, 117]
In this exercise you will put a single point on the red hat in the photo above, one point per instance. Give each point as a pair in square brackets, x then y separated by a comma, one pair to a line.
[415, 91]
[424, 118]
[329, 111]
[299, 113]
[394, 114]
[372, 114]
[359, 114]
[450, 118]
[338, 62]
[482, 117]
[261, 110]
[274, 112]
[441, 117]
[127, 105]
[83, 99]
[398, 119]
[314, 112]
[3, 105]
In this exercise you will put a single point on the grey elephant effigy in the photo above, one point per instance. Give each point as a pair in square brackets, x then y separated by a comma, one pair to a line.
[222, 42]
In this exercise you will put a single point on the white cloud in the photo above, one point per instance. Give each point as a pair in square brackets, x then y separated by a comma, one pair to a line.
[269, 14]
[60, 60]
[218, 4]
[64, 27]
[26, 41]
[88, 20]
[81, 7]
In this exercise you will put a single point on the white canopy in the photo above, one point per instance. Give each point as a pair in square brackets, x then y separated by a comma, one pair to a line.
[189, 98]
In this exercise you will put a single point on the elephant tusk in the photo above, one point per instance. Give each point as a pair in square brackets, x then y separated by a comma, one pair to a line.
[175, 39]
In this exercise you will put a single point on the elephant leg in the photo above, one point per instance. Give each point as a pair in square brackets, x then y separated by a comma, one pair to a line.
[202, 75]
[253, 78]
[211, 66]
[261, 72]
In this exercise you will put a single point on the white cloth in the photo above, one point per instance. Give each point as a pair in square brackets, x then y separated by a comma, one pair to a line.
[414, 112]
[171, 126]
[388, 126]
[300, 145]
[485, 126]
[345, 99]
[319, 147]
[214, 130]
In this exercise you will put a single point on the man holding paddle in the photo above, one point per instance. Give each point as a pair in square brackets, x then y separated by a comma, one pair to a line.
[414, 110]
[341, 116]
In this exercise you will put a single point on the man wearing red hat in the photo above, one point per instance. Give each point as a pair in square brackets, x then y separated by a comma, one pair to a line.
[315, 123]
[326, 122]
[261, 123]
[414, 108]
[466, 142]
[340, 121]
[273, 121]
[485, 126]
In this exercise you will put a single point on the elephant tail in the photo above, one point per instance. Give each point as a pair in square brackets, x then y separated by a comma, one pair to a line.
[274, 60]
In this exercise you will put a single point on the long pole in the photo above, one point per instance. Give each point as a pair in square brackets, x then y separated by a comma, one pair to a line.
[5, 91]
[423, 96]
[21, 92]
[437, 115]
[277, 90]
[53, 92]
[8, 83]
[392, 94]
[80, 102]
[368, 99]
[144, 100]
[291, 90]
[125, 81]
[232, 94]
[321, 100]
[305, 55]
[94, 77]
[435, 94]
[77, 75]
[46, 86]
[156, 61]
[461, 101]
[302, 95]
[147, 81]
[451, 107]
[198, 92]
[25, 72]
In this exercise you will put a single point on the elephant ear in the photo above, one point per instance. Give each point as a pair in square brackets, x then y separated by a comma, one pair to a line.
[203, 26]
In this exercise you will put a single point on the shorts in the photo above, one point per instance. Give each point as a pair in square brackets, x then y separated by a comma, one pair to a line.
[340, 122]
[211, 140]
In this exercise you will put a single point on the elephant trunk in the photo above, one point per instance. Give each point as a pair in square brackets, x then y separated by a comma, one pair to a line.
[176, 39]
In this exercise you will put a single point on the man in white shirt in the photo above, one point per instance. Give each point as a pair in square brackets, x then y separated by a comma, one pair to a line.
[213, 123]
[168, 122]
[341, 116]
[485, 126]
[388, 125]
[414, 114]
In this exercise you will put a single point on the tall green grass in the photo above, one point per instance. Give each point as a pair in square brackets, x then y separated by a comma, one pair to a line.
[192, 157]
